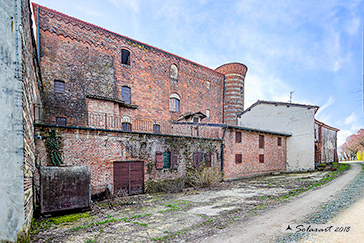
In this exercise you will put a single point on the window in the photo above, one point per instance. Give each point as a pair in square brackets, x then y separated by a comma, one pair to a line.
[279, 141]
[237, 137]
[61, 121]
[195, 120]
[196, 159]
[125, 94]
[125, 57]
[59, 86]
[156, 128]
[261, 141]
[261, 158]
[126, 126]
[208, 159]
[207, 114]
[174, 71]
[169, 160]
[238, 158]
[208, 84]
[174, 101]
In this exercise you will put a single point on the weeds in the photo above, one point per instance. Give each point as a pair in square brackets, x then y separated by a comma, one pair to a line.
[205, 177]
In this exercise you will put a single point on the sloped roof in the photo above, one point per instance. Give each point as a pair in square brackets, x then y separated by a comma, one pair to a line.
[326, 126]
[276, 103]
[190, 114]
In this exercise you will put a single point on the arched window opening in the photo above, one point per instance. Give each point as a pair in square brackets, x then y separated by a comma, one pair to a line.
[125, 57]
[174, 71]
[174, 102]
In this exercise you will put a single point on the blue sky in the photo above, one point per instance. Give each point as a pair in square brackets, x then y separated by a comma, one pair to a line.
[311, 47]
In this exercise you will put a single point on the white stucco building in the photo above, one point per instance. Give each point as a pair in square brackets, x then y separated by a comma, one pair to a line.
[295, 119]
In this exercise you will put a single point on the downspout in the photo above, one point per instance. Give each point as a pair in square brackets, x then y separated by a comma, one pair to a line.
[223, 102]
[16, 39]
[222, 148]
[38, 41]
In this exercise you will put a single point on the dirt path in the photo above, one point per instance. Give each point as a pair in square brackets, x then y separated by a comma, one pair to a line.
[266, 226]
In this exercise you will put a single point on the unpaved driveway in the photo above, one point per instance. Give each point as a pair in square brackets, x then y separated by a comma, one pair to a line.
[265, 227]
[191, 216]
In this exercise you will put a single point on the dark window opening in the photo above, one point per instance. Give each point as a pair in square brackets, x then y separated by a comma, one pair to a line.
[126, 126]
[279, 141]
[238, 158]
[156, 128]
[208, 159]
[126, 94]
[61, 121]
[261, 158]
[174, 104]
[261, 141]
[197, 159]
[125, 57]
[59, 86]
[195, 120]
[237, 137]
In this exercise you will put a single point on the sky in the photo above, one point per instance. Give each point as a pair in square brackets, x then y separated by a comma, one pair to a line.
[313, 47]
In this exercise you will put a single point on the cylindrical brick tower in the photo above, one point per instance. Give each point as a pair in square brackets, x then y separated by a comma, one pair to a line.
[234, 91]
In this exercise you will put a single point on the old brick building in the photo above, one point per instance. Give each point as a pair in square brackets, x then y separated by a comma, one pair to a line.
[130, 110]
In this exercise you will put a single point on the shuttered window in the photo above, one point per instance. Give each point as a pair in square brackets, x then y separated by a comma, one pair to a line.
[59, 86]
[196, 159]
[208, 159]
[61, 121]
[166, 160]
[125, 57]
[159, 160]
[237, 137]
[125, 94]
[238, 158]
[279, 141]
[261, 158]
[261, 141]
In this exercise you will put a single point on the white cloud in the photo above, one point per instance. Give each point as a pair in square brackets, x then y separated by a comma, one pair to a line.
[327, 104]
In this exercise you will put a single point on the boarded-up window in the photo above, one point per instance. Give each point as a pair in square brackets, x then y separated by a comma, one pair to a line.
[279, 141]
[174, 71]
[174, 164]
[261, 158]
[261, 141]
[126, 94]
[125, 57]
[126, 126]
[196, 159]
[159, 160]
[61, 121]
[166, 160]
[156, 128]
[208, 159]
[238, 158]
[237, 137]
[59, 86]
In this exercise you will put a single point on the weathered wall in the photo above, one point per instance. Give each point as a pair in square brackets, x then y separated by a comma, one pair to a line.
[274, 155]
[99, 149]
[11, 125]
[88, 59]
[298, 120]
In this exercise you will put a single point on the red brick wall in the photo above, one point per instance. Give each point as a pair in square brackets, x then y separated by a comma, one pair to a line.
[88, 59]
[99, 149]
[274, 155]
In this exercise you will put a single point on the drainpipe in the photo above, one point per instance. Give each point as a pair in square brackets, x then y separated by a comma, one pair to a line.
[222, 148]
[38, 41]
[223, 102]
[16, 39]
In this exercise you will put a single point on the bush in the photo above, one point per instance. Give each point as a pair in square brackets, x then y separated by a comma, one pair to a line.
[167, 185]
[205, 177]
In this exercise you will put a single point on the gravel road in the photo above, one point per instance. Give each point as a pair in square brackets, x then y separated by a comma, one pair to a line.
[317, 206]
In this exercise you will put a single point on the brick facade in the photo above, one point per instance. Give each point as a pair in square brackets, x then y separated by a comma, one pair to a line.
[248, 147]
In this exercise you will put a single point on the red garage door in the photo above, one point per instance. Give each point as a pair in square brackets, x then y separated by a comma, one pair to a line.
[129, 176]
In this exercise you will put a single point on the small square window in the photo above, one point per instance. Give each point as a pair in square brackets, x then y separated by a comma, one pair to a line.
[238, 158]
[195, 120]
[237, 137]
[59, 86]
[126, 126]
[279, 141]
[156, 128]
[261, 158]
[61, 121]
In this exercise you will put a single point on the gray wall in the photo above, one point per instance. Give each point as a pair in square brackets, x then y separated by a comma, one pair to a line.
[11, 127]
